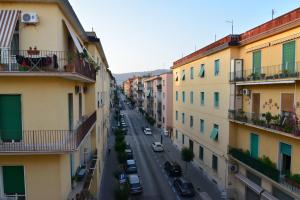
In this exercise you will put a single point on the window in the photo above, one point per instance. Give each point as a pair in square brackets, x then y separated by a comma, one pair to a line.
[163, 82]
[183, 75]
[288, 57]
[285, 158]
[201, 152]
[254, 145]
[215, 163]
[191, 121]
[215, 132]
[176, 95]
[202, 98]
[163, 107]
[176, 76]
[182, 139]
[164, 95]
[201, 126]
[176, 115]
[216, 99]
[202, 71]
[256, 62]
[176, 133]
[182, 120]
[13, 180]
[192, 73]
[191, 97]
[183, 96]
[217, 67]
[80, 105]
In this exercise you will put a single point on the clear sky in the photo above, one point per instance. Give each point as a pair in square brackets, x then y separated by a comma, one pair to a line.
[139, 35]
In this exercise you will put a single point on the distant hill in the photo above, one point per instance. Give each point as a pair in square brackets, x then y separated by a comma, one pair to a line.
[123, 77]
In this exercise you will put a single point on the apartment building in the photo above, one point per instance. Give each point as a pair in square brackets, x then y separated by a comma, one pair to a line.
[54, 102]
[153, 100]
[137, 91]
[238, 95]
[127, 87]
[167, 101]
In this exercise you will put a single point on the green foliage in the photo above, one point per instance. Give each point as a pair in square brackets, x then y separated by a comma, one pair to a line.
[266, 160]
[268, 117]
[119, 138]
[118, 131]
[120, 146]
[122, 193]
[295, 177]
[122, 157]
[187, 154]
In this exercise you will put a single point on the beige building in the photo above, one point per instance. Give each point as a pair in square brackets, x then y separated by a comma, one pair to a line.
[167, 101]
[54, 102]
[137, 91]
[236, 104]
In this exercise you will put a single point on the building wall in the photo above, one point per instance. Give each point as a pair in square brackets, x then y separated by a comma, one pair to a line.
[167, 100]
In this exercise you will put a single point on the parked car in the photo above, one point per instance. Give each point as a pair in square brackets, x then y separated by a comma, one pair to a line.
[122, 178]
[147, 131]
[125, 130]
[165, 132]
[157, 147]
[124, 124]
[128, 145]
[129, 153]
[173, 168]
[184, 187]
[130, 167]
[134, 184]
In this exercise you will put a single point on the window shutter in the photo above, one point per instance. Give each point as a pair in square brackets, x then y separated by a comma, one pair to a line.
[287, 102]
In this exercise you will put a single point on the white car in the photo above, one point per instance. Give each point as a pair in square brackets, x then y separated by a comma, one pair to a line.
[147, 131]
[157, 147]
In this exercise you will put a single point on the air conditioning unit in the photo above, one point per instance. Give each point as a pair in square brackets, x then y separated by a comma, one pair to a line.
[29, 18]
[246, 92]
[233, 168]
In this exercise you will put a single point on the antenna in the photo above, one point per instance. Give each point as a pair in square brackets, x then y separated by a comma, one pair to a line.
[231, 22]
[273, 13]
[215, 37]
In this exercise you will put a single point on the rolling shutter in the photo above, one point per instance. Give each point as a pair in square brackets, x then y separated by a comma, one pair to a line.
[287, 102]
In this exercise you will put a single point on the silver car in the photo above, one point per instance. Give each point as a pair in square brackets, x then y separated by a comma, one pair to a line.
[134, 184]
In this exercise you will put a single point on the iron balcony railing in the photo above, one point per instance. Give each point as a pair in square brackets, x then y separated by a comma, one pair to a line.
[280, 71]
[24, 61]
[286, 123]
[47, 140]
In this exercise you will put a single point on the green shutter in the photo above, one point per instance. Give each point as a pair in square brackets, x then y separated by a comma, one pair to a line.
[217, 67]
[285, 149]
[13, 180]
[214, 134]
[256, 62]
[288, 56]
[254, 145]
[202, 71]
[10, 117]
[216, 99]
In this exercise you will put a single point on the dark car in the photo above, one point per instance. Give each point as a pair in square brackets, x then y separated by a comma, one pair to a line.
[130, 167]
[184, 187]
[135, 184]
[173, 168]
[129, 154]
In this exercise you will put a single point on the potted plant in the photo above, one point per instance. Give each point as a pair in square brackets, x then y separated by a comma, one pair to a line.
[268, 117]
[284, 74]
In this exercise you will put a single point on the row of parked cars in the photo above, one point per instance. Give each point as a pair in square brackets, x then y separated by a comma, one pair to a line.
[131, 173]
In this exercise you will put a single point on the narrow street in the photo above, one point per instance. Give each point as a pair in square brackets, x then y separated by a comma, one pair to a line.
[156, 184]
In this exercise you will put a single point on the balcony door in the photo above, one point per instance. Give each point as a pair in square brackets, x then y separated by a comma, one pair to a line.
[10, 118]
[256, 60]
[288, 57]
[255, 105]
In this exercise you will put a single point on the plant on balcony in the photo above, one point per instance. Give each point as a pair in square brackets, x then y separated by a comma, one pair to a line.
[268, 117]
[293, 180]
[264, 165]
[241, 116]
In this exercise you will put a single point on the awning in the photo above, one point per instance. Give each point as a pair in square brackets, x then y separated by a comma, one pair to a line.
[267, 196]
[214, 134]
[8, 21]
[256, 188]
[74, 37]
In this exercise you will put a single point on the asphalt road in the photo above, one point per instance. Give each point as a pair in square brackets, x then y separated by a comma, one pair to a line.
[156, 184]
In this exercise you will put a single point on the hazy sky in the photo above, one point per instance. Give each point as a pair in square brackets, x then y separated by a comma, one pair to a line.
[139, 35]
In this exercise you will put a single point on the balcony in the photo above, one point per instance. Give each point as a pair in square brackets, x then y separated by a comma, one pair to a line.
[48, 141]
[259, 165]
[47, 63]
[282, 124]
[267, 73]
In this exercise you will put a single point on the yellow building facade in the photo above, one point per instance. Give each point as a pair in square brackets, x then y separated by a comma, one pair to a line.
[54, 102]
[236, 104]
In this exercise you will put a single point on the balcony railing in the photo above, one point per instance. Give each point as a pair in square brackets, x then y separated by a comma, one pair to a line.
[260, 166]
[281, 71]
[47, 140]
[284, 123]
[25, 61]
